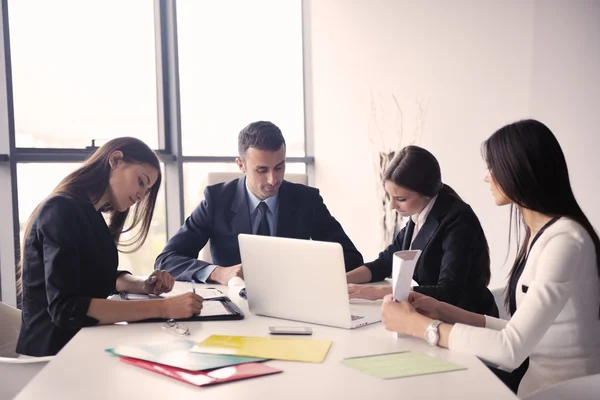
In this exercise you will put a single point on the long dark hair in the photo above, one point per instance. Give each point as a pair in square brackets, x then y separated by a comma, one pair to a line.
[418, 170]
[528, 164]
[90, 182]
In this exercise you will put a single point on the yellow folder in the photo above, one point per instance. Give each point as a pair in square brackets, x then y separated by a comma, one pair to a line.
[289, 349]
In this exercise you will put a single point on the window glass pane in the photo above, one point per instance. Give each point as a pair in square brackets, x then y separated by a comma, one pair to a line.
[195, 179]
[239, 61]
[83, 70]
[36, 181]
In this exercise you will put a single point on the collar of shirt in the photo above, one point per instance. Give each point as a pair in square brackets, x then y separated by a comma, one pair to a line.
[253, 201]
[419, 219]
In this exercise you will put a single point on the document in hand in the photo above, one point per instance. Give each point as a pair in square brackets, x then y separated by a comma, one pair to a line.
[289, 349]
[403, 268]
[176, 353]
[400, 365]
[203, 378]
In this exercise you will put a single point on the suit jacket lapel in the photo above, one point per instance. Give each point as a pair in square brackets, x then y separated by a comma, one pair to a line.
[287, 211]
[440, 208]
[425, 233]
[240, 216]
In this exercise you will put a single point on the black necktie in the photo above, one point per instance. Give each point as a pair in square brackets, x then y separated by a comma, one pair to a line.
[408, 234]
[263, 228]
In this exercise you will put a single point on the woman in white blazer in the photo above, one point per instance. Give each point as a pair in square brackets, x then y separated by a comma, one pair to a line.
[553, 291]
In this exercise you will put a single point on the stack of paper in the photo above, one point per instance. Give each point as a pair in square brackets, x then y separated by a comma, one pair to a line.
[289, 349]
[177, 354]
[174, 359]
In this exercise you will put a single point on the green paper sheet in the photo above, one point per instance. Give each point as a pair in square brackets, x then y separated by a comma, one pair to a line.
[400, 365]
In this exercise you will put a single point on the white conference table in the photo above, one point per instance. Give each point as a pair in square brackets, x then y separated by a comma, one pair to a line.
[82, 370]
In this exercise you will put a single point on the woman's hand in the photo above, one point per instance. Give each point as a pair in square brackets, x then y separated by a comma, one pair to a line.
[425, 305]
[398, 316]
[368, 292]
[158, 282]
[182, 306]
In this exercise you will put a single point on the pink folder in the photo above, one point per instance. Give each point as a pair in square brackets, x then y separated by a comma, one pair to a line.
[203, 378]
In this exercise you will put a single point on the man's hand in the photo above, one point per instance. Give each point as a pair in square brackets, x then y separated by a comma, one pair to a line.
[222, 275]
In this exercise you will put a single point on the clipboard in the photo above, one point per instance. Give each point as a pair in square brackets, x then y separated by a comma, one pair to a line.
[206, 293]
[218, 309]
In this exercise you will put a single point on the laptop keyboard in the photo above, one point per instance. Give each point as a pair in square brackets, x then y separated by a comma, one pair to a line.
[355, 317]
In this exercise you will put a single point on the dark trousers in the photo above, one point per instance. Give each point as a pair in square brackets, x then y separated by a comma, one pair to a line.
[512, 379]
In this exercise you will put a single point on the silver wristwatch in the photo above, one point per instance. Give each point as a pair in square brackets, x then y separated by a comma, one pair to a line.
[432, 333]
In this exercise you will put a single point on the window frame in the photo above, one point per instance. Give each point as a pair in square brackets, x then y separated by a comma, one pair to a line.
[169, 139]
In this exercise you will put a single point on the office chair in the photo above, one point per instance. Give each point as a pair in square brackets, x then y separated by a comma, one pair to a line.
[16, 372]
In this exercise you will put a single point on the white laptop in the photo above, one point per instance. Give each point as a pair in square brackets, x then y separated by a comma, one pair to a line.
[300, 280]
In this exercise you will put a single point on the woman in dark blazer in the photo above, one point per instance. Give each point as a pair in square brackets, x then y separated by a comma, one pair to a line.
[70, 255]
[454, 265]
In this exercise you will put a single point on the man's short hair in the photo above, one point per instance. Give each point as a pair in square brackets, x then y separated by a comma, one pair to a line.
[262, 135]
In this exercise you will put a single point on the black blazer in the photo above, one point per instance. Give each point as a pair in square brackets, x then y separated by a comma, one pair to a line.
[454, 263]
[70, 258]
[223, 215]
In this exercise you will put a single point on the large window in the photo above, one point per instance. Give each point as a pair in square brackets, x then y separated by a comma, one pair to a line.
[184, 76]
[82, 70]
[239, 61]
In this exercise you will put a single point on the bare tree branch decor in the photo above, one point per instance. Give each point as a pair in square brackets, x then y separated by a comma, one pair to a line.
[386, 134]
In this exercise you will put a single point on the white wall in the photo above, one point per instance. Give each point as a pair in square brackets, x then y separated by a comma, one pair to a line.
[566, 90]
[473, 66]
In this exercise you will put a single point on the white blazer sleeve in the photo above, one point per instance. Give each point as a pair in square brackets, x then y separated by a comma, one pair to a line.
[548, 293]
[496, 324]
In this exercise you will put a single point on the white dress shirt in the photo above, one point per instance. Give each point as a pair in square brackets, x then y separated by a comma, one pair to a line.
[556, 323]
[420, 218]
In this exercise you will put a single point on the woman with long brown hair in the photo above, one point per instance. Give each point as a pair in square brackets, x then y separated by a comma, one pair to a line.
[454, 265]
[553, 291]
[69, 256]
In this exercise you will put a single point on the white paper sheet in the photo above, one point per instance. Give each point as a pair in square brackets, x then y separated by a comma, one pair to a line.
[211, 308]
[403, 268]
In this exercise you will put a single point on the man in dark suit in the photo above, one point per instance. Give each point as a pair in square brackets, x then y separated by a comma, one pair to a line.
[261, 203]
